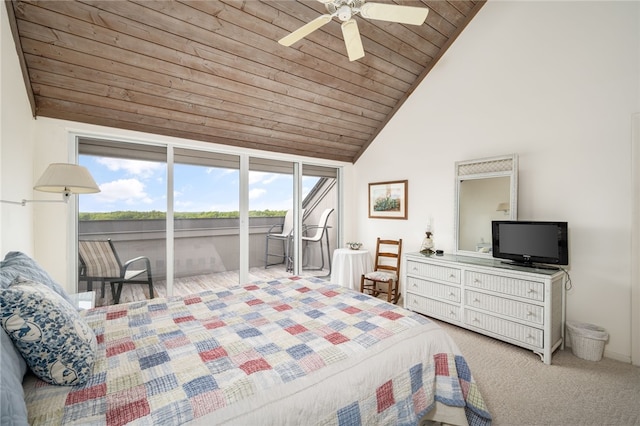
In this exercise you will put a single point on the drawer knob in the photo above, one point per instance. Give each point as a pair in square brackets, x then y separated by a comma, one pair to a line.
[476, 300]
[452, 294]
[476, 320]
[477, 281]
[531, 291]
[452, 275]
[529, 314]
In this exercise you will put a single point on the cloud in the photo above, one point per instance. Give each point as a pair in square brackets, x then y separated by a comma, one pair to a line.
[256, 193]
[143, 169]
[129, 191]
[262, 177]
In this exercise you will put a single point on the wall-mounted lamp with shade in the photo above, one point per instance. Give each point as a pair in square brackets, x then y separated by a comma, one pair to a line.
[503, 207]
[65, 179]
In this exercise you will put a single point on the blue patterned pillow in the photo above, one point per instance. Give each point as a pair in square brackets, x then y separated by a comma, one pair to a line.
[17, 264]
[58, 344]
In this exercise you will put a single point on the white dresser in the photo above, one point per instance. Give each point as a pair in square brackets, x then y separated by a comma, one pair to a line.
[519, 305]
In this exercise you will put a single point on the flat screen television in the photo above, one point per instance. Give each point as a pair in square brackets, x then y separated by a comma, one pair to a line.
[530, 243]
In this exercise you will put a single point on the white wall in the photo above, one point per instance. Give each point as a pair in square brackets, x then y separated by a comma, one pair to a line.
[16, 149]
[557, 84]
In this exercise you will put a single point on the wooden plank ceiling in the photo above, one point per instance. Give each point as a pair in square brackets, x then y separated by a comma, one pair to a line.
[213, 70]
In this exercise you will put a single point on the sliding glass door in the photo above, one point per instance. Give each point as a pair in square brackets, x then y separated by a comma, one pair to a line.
[204, 218]
[320, 228]
[274, 208]
[271, 217]
[129, 214]
[206, 208]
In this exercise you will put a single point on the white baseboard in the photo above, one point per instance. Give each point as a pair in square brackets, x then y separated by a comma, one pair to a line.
[608, 354]
[617, 356]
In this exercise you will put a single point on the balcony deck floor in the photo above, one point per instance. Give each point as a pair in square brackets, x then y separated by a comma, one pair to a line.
[194, 284]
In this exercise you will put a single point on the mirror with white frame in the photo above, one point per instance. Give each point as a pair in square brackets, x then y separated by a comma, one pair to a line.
[486, 190]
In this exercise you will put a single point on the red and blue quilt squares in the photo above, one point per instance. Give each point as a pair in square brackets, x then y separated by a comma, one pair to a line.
[174, 360]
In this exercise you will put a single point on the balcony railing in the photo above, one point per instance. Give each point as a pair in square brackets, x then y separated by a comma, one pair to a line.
[201, 246]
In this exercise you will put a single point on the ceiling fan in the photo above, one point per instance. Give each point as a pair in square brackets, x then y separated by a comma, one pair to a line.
[345, 10]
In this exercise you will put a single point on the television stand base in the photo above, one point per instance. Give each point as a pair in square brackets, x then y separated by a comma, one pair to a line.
[531, 265]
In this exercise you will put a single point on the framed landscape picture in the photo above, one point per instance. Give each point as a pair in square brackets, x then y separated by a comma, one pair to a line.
[388, 200]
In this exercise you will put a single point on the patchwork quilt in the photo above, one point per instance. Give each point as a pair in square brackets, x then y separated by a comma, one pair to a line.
[289, 351]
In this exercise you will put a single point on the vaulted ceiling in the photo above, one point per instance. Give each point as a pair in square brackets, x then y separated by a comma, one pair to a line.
[213, 70]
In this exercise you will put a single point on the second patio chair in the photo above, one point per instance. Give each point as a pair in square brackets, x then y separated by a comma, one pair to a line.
[99, 262]
[321, 231]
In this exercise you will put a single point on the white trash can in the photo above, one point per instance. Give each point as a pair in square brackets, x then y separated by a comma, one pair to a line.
[587, 340]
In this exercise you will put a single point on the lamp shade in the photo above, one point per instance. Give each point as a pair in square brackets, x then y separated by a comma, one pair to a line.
[66, 178]
[503, 207]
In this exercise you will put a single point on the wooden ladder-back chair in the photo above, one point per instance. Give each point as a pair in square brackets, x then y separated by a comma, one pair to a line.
[100, 262]
[386, 271]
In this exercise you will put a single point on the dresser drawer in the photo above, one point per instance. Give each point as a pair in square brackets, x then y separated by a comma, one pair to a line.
[436, 272]
[533, 290]
[521, 333]
[511, 308]
[432, 289]
[433, 307]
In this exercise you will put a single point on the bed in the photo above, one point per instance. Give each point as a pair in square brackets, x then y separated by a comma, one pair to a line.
[288, 351]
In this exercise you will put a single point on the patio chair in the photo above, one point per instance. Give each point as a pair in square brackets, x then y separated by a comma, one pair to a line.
[100, 262]
[321, 230]
[281, 232]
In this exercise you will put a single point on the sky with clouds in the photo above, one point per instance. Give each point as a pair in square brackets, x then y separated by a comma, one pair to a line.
[141, 186]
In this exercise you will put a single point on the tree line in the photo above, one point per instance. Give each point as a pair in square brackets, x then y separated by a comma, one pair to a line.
[155, 214]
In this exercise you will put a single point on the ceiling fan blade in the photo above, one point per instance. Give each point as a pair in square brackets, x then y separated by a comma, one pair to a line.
[305, 30]
[394, 13]
[352, 39]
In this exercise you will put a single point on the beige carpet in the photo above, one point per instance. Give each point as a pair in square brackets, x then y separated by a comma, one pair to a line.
[520, 389]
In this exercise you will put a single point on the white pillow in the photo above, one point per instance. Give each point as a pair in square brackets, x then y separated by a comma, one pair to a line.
[58, 344]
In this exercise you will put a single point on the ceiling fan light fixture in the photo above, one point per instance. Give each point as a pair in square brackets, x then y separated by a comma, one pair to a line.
[344, 13]
[345, 10]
